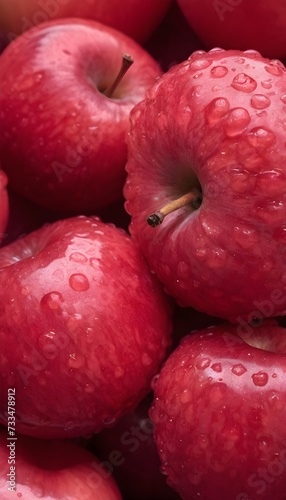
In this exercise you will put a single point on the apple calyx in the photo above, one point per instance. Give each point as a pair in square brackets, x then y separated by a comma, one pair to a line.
[193, 197]
[127, 61]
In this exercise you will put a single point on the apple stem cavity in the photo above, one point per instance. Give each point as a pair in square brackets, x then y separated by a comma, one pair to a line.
[194, 198]
[127, 61]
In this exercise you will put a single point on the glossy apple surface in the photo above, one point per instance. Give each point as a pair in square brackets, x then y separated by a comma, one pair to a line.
[84, 326]
[219, 414]
[64, 140]
[239, 24]
[222, 114]
[51, 470]
[136, 18]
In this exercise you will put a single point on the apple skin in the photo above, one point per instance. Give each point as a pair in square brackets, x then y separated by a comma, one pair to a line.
[64, 145]
[218, 24]
[84, 326]
[137, 18]
[52, 470]
[129, 453]
[227, 255]
[219, 414]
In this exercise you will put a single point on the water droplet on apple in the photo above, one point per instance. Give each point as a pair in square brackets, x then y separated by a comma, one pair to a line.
[244, 83]
[197, 75]
[94, 262]
[217, 88]
[240, 60]
[58, 275]
[283, 98]
[267, 84]
[52, 301]
[274, 375]
[216, 367]
[163, 470]
[79, 282]
[217, 391]
[82, 235]
[89, 388]
[146, 359]
[109, 421]
[236, 122]
[261, 114]
[260, 101]
[203, 363]
[26, 290]
[203, 441]
[200, 63]
[216, 109]
[75, 360]
[274, 68]
[263, 441]
[219, 71]
[38, 490]
[154, 381]
[186, 396]
[216, 50]
[238, 369]
[261, 137]
[78, 257]
[260, 379]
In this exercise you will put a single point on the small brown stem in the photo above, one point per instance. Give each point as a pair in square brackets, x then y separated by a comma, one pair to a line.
[157, 218]
[127, 61]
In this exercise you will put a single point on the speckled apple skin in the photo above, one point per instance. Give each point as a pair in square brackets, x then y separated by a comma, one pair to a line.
[219, 119]
[84, 326]
[219, 414]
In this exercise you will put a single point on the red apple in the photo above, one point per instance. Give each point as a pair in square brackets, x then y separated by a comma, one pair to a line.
[239, 24]
[174, 40]
[63, 144]
[207, 168]
[51, 470]
[219, 414]
[129, 453]
[84, 326]
[136, 18]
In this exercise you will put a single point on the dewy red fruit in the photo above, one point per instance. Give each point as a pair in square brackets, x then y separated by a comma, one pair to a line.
[219, 414]
[84, 326]
[51, 470]
[214, 127]
[63, 140]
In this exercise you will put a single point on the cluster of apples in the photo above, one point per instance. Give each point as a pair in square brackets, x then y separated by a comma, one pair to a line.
[143, 258]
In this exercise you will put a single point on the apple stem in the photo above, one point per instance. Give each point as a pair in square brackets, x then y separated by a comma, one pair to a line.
[127, 61]
[157, 217]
